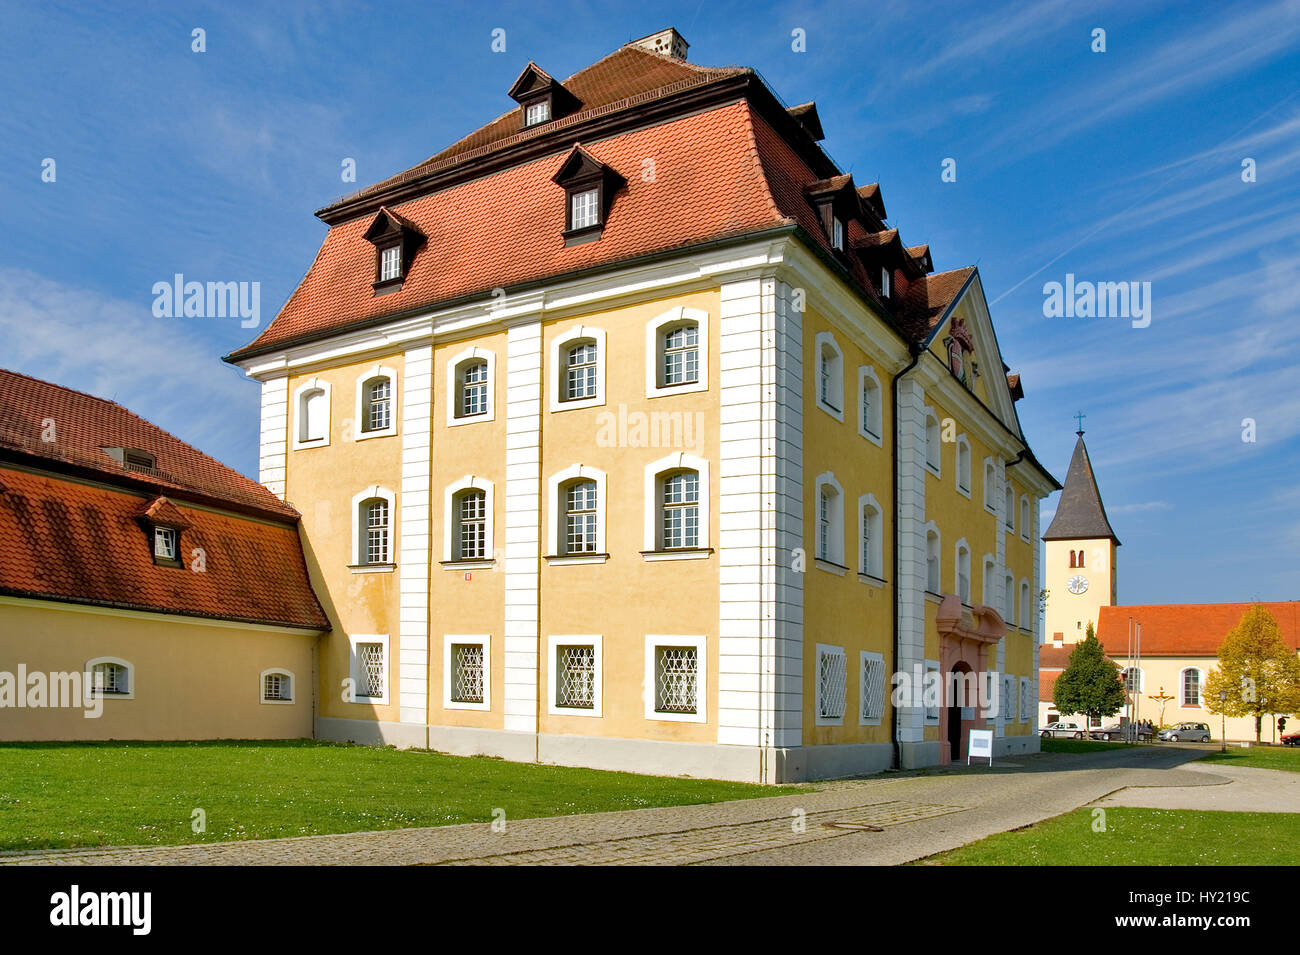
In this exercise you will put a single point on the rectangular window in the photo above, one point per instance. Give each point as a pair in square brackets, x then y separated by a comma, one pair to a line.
[537, 113]
[473, 526]
[580, 518]
[873, 688]
[580, 372]
[682, 355]
[379, 405]
[681, 511]
[676, 679]
[885, 283]
[371, 677]
[584, 209]
[467, 674]
[474, 385]
[1192, 687]
[164, 543]
[377, 532]
[932, 695]
[390, 263]
[832, 677]
[275, 687]
[837, 233]
[1008, 699]
[575, 677]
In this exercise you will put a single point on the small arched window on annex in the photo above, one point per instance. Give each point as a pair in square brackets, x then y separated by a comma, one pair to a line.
[829, 381]
[677, 352]
[577, 377]
[111, 678]
[311, 414]
[871, 417]
[277, 685]
[376, 403]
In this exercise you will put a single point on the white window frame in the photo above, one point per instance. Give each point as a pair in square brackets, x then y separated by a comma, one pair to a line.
[674, 462]
[483, 640]
[592, 208]
[359, 564]
[935, 467]
[475, 353]
[963, 466]
[1142, 679]
[932, 720]
[538, 112]
[828, 650]
[863, 688]
[886, 282]
[553, 643]
[989, 582]
[390, 254]
[868, 373]
[358, 678]
[1026, 605]
[1026, 701]
[558, 350]
[89, 678]
[653, 641]
[876, 568]
[991, 488]
[825, 342]
[1009, 598]
[1009, 506]
[1025, 514]
[837, 233]
[835, 535]
[556, 512]
[958, 548]
[171, 535]
[299, 413]
[1200, 687]
[654, 332]
[451, 523]
[277, 671]
[378, 371]
[932, 528]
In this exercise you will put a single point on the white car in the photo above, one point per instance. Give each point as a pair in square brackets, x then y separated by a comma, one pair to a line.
[1059, 729]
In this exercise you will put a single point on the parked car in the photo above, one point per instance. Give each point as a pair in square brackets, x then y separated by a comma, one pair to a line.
[1186, 733]
[1059, 729]
[1291, 739]
[1117, 732]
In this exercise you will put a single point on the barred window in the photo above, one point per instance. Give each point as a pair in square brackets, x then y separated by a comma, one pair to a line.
[575, 677]
[580, 518]
[676, 680]
[471, 517]
[372, 680]
[580, 371]
[1008, 698]
[873, 687]
[277, 687]
[111, 678]
[681, 510]
[932, 699]
[376, 415]
[832, 677]
[473, 389]
[375, 529]
[1024, 699]
[681, 356]
[467, 674]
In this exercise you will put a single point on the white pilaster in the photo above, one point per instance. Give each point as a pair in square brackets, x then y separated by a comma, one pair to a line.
[413, 564]
[274, 443]
[910, 586]
[522, 535]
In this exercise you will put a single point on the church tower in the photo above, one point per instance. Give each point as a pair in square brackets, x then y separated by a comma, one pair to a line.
[1080, 572]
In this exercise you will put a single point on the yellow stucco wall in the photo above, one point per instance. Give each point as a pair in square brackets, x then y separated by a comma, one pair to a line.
[191, 680]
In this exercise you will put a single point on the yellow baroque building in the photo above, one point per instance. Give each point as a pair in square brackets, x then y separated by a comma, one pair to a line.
[627, 434]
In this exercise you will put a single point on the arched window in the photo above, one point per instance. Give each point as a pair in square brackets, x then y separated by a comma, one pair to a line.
[312, 410]
[962, 574]
[470, 383]
[377, 405]
[987, 583]
[1009, 508]
[932, 568]
[932, 441]
[470, 537]
[677, 352]
[111, 678]
[277, 686]
[963, 464]
[578, 362]
[374, 529]
[580, 371]
[870, 423]
[1026, 606]
[871, 551]
[1072, 559]
[830, 375]
[1191, 687]
[580, 518]
[990, 485]
[1132, 679]
[677, 507]
[829, 520]
[1009, 599]
[680, 506]
[1024, 516]
[473, 391]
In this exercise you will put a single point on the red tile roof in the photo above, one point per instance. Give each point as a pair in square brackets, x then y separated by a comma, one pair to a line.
[67, 540]
[83, 425]
[1046, 685]
[1050, 657]
[1187, 630]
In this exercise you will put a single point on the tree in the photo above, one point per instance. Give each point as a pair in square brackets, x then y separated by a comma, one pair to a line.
[1090, 683]
[1260, 673]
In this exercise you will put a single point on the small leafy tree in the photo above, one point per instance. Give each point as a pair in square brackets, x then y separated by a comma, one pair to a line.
[1090, 682]
[1260, 673]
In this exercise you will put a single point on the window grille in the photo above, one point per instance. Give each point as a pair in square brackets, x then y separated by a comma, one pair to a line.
[676, 679]
[1024, 700]
[370, 658]
[110, 678]
[1008, 700]
[275, 686]
[873, 688]
[831, 683]
[576, 677]
[467, 673]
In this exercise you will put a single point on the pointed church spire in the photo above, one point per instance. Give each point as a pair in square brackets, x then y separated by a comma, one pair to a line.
[1080, 515]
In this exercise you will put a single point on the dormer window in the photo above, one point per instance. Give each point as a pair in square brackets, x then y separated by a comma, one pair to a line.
[837, 233]
[132, 459]
[396, 240]
[886, 283]
[589, 187]
[538, 112]
[164, 523]
[164, 543]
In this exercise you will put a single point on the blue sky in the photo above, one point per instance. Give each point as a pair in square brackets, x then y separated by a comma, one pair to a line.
[1117, 166]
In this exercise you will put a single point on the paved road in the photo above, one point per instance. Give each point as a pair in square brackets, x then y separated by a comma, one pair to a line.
[883, 820]
[1244, 789]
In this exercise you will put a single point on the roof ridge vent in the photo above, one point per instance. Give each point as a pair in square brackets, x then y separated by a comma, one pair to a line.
[666, 43]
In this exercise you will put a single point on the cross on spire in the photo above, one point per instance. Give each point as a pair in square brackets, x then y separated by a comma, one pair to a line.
[1079, 416]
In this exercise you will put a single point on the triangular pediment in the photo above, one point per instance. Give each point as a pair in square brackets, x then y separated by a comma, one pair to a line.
[967, 319]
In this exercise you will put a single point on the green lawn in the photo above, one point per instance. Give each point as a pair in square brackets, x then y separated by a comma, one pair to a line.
[1054, 745]
[61, 795]
[1140, 837]
[1263, 757]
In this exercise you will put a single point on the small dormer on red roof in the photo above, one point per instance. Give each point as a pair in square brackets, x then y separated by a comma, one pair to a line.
[589, 189]
[805, 114]
[163, 525]
[541, 97]
[874, 201]
[396, 240]
[837, 204]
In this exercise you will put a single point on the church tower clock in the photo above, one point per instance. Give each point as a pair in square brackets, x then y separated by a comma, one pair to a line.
[1079, 571]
